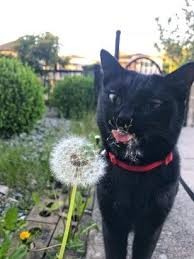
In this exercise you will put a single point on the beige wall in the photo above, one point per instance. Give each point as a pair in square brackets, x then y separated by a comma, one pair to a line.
[8, 53]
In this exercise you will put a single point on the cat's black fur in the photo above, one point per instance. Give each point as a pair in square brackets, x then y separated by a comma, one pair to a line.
[152, 107]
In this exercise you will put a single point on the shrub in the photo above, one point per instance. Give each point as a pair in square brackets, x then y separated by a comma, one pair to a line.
[74, 96]
[21, 97]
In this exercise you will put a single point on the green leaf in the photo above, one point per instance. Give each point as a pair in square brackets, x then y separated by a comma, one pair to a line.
[90, 227]
[89, 201]
[2, 231]
[79, 204]
[5, 245]
[56, 205]
[20, 253]
[35, 198]
[10, 219]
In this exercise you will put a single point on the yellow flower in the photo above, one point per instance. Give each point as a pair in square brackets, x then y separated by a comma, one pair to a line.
[24, 235]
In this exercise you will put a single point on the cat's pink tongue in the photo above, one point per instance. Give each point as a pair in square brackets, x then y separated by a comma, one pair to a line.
[121, 137]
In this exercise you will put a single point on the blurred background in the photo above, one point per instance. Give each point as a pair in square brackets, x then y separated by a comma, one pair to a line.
[49, 83]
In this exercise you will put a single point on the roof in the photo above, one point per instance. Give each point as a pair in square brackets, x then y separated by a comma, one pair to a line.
[9, 46]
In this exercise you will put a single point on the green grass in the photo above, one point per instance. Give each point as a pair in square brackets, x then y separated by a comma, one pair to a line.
[24, 163]
[17, 171]
[86, 127]
[24, 167]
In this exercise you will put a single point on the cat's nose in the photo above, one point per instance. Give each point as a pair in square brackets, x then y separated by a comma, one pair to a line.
[124, 119]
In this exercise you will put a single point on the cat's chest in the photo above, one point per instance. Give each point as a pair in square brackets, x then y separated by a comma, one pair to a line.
[121, 189]
[125, 189]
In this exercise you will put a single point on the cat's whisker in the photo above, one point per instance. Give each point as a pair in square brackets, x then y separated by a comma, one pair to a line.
[115, 121]
[116, 144]
[109, 137]
[111, 124]
[124, 128]
[129, 126]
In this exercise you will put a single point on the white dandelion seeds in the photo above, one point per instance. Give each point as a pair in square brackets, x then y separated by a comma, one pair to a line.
[73, 161]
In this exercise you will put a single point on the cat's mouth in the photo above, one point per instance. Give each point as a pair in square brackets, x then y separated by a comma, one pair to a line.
[125, 145]
[122, 136]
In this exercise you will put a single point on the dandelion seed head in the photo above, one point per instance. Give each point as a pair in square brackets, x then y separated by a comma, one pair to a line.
[73, 161]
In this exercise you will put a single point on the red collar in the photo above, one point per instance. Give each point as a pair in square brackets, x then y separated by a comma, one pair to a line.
[139, 168]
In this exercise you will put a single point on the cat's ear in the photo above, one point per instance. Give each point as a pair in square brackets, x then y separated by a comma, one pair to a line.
[110, 65]
[181, 79]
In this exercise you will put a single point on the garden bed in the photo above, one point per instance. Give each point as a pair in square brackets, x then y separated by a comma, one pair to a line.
[24, 169]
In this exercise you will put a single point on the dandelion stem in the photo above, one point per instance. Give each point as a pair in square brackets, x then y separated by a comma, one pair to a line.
[44, 248]
[68, 222]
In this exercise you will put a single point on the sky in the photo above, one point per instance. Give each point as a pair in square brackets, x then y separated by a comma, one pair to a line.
[86, 26]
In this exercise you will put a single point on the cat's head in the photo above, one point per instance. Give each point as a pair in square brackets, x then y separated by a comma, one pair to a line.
[140, 116]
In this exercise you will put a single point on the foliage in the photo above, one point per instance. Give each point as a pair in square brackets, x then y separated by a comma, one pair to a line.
[81, 203]
[39, 50]
[76, 241]
[16, 161]
[27, 156]
[177, 38]
[79, 229]
[85, 127]
[74, 96]
[21, 98]
[27, 51]
[76, 236]
[53, 206]
[10, 223]
[14, 241]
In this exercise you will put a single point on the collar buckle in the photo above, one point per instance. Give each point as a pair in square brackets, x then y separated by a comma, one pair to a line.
[113, 158]
[168, 159]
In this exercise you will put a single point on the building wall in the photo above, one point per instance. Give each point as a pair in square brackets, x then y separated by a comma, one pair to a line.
[8, 53]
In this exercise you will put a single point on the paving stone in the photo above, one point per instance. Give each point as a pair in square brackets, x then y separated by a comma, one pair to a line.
[59, 229]
[41, 213]
[42, 240]
[35, 215]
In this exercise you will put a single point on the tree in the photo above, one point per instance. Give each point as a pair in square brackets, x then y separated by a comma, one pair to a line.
[39, 51]
[26, 49]
[47, 49]
[177, 38]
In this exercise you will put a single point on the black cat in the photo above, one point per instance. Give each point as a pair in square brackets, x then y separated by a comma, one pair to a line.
[140, 119]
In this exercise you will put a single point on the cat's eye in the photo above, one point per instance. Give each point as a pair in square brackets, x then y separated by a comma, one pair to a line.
[115, 98]
[112, 97]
